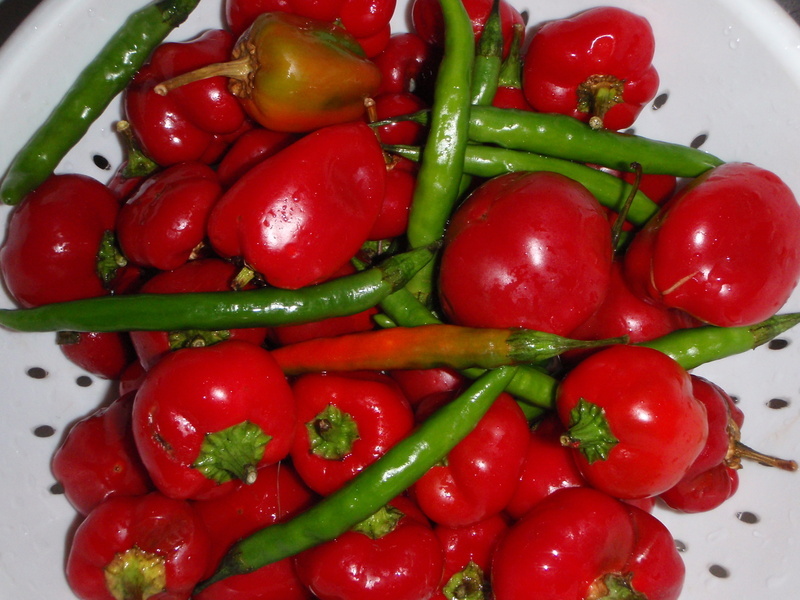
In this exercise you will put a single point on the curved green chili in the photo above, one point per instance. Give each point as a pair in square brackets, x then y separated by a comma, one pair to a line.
[373, 487]
[562, 136]
[488, 59]
[441, 167]
[490, 161]
[99, 82]
[265, 307]
[699, 345]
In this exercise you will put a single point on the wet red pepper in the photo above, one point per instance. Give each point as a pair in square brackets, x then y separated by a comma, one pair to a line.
[579, 543]
[204, 418]
[393, 555]
[98, 458]
[248, 150]
[291, 220]
[60, 242]
[277, 495]
[104, 354]
[480, 474]
[406, 65]
[193, 123]
[595, 66]
[138, 547]
[164, 223]
[345, 422]
[363, 19]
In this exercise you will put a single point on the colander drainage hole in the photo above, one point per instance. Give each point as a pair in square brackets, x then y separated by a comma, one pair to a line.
[778, 344]
[44, 431]
[699, 140]
[777, 403]
[719, 571]
[101, 162]
[36, 373]
[747, 517]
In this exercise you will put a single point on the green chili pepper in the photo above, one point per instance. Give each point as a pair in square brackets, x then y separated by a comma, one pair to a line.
[376, 485]
[490, 161]
[700, 345]
[562, 136]
[438, 180]
[265, 307]
[488, 59]
[98, 84]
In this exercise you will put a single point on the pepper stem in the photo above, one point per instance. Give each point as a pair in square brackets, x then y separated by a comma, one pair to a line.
[238, 69]
[589, 432]
[597, 95]
[232, 453]
[615, 586]
[331, 433]
[743, 451]
[135, 575]
[380, 523]
[527, 346]
[468, 584]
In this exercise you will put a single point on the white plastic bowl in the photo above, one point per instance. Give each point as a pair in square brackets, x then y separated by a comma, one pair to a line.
[731, 69]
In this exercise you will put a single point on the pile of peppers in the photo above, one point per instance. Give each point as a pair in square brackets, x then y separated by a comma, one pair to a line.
[395, 315]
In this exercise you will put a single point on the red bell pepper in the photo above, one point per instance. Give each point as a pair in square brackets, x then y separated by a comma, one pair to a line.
[595, 66]
[480, 474]
[579, 543]
[248, 150]
[98, 458]
[345, 422]
[60, 242]
[407, 65]
[136, 548]
[104, 354]
[194, 123]
[164, 223]
[204, 418]
[302, 213]
[393, 555]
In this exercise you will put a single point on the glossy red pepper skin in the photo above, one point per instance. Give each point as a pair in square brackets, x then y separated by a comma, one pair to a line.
[470, 545]
[624, 313]
[165, 221]
[166, 530]
[404, 564]
[98, 458]
[428, 23]
[395, 104]
[568, 543]
[392, 220]
[50, 253]
[526, 250]
[418, 384]
[689, 258]
[195, 392]
[291, 220]
[191, 123]
[704, 491]
[406, 64]
[364, 19]
[277, 495]
[480, 473]
[604, 41]
[646, 399]
[548, 466]
[201, 275]
[372, 401]
[104, 354]
[248, 150]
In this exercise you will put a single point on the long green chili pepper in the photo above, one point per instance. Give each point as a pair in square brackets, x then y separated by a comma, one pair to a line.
[99, 82]
[490, 161]
[562, 136]
[488, 59]
[696, 346]
[438, 180]
[265, 307]
[373, 487]
[427, 346]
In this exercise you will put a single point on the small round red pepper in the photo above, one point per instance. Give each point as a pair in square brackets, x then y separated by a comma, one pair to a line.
[192, 123]
[98, 458]
[595, 66]
[104, 354]
[204, 418]
[138, 547]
